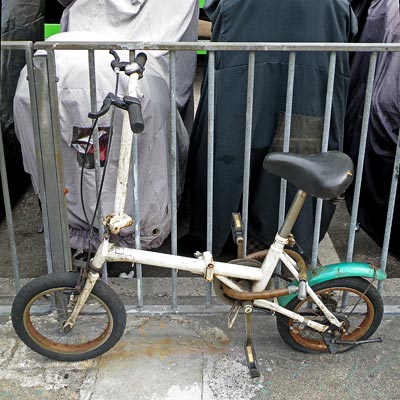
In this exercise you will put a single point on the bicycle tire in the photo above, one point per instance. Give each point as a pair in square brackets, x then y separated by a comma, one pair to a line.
[306, 340]
[40, 307]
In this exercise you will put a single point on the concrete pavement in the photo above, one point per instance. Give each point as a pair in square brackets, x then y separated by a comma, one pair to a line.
[192, 355]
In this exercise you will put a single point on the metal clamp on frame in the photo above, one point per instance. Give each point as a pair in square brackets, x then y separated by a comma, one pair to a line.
[116, 222]
[209, 272]
[281, 240]
[237, 233]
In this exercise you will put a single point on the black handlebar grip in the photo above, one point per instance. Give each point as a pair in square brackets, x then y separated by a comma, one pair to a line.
[135, 114]
[141, 59]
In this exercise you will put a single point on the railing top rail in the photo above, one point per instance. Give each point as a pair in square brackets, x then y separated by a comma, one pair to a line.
[202, 45]
[218, 46]
[16, 45]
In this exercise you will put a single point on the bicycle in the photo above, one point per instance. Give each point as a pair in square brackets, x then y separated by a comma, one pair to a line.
[74, 316]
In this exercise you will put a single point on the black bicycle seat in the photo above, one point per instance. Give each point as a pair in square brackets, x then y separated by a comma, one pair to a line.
[325, 175]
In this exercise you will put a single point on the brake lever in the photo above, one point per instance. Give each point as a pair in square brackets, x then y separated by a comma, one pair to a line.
[117, 63]
[109, 100]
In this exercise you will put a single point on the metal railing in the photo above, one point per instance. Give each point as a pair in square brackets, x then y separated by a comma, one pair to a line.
[44, 101]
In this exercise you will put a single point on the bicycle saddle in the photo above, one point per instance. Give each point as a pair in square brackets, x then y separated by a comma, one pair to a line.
[326, 175]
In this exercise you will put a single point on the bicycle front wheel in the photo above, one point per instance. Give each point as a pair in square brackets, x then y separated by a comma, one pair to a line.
[353, 301]
[41, 307]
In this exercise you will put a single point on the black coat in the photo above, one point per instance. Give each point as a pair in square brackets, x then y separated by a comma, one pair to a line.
[382, 25]
[266, 21]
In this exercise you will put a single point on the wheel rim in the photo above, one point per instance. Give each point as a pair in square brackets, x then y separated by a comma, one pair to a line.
[45, 313]
[357, 312]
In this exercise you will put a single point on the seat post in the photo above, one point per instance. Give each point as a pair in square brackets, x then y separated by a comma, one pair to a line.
[292, 214]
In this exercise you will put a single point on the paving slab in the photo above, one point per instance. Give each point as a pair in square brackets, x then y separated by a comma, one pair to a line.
[178, 357]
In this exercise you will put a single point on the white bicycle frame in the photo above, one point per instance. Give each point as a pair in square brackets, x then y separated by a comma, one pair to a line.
[204, 263]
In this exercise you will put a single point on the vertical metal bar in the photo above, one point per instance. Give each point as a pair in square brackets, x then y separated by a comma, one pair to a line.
[247, 147]
[66, 252]
[328, 102]
[173, 175]
[96, 146]
[9, 219]
[50, 146]
[361, 154]
[136, 208]
[38, 154]
[136, 212]
[286, 145]
[286, 133]
[324, 148]
[210, 159]
[390, 212]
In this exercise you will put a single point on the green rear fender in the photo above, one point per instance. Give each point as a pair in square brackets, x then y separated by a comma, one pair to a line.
[335, 271]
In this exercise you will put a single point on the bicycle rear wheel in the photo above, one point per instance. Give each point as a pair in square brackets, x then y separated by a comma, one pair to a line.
[352, 300]
[41, 307]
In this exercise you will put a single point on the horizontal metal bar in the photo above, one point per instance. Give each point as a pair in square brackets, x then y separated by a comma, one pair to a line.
[218, 46]
[15, 45]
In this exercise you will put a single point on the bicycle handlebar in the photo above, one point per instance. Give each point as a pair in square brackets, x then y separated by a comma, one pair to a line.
[135, 114]
[141, 59]
[137, 66]
[130, 102]
[133, 103]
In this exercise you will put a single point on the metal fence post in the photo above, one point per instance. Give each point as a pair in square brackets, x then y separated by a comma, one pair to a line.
[390, 212]
[173, 175]
[48, 143]
[210, 161]
[324, 148]
[247, 146]
[361, 154]
[9, 218]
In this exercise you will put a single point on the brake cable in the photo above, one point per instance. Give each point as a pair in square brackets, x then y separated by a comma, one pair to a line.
[91, 224]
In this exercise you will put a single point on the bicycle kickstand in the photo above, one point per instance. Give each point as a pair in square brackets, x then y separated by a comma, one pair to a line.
[251, 357]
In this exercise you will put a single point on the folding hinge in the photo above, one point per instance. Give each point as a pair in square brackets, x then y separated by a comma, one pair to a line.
[209, 275]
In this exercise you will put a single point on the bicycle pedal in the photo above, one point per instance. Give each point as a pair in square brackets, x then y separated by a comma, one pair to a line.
[251, 358]
[124, 275]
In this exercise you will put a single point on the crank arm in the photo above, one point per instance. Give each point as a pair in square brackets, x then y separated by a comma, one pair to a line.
[89, 285]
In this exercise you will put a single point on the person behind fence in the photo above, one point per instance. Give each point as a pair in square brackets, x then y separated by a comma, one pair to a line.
[260, 21]
[146, 21]
[114, 21]
[382, 25]
[19, 21]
